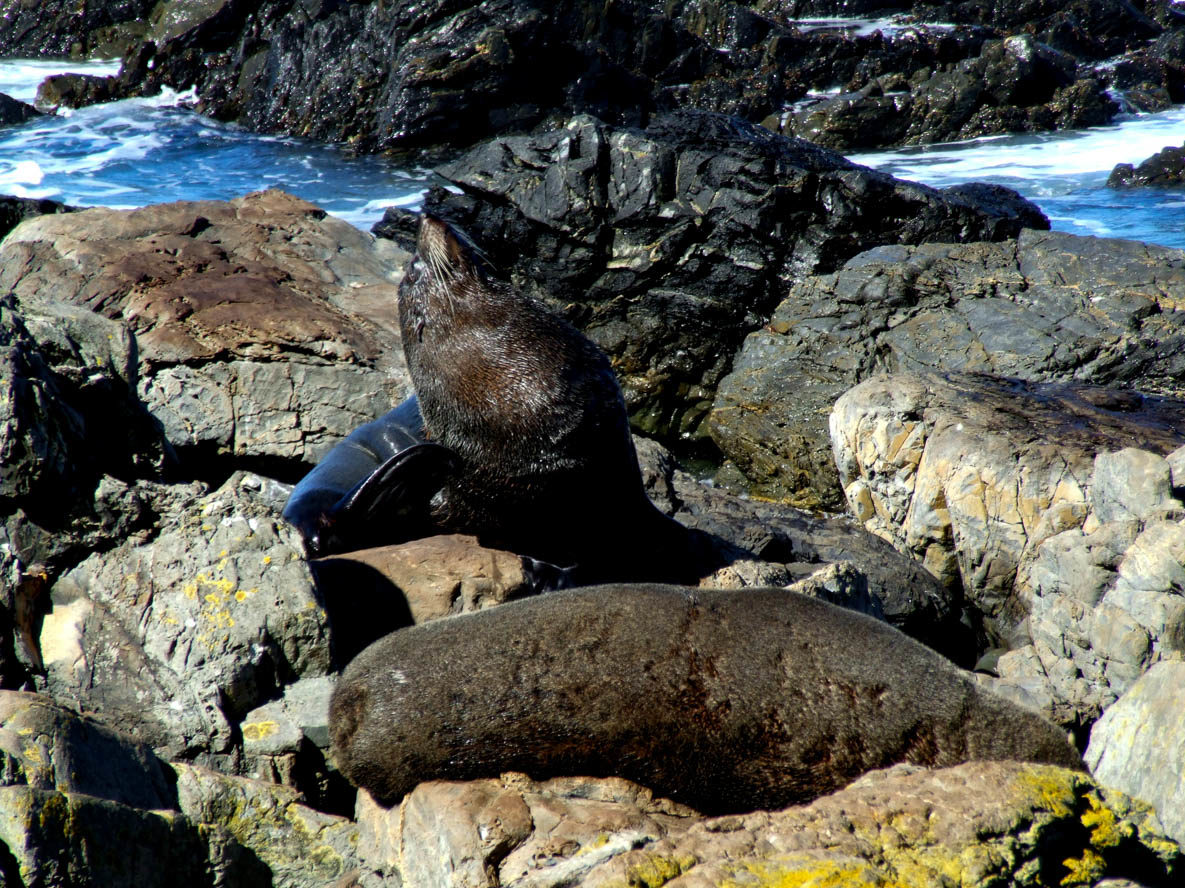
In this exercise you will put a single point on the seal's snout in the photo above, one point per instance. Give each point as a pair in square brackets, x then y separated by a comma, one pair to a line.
[441, 248]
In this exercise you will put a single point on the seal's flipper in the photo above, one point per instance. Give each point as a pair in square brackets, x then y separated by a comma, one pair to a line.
[388, 506]
[334, 504]
[402, 486]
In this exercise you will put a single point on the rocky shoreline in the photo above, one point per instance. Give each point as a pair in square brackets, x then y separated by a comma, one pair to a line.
[438, 77]
[917, 403]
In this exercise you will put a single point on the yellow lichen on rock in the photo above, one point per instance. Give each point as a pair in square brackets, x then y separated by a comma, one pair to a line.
[810, 872]
[256, 731]
[656, 870]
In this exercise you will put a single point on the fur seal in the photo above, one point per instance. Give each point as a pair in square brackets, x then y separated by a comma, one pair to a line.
[525, 440]
[724, 700]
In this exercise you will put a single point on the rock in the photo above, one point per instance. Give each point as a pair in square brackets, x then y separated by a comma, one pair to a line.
[1131, 483]
[489, 832]
[1092, 29]
[841, 584]
[264, 328]
[176, 639]
[14, 111]
[1013, 85]
[667, 245]
[230, 832]
[294, 845]
[284, 742]
[1047, 307]
[788, 544]
[1104, 605]
[983, 822]
[439, 575]
[63, 29]
[56, 838]
[14, 210]
[1164, 169]
[800, 543]
[452, 75]
[71, 429]
[971, 473]
[301, 714]
[1138, 748]
[75, 91]
[46, 746]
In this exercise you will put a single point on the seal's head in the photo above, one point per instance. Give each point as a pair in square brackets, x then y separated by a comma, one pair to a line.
[447, 267]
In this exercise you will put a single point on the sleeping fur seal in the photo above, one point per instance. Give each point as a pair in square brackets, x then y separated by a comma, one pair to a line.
[723, 700]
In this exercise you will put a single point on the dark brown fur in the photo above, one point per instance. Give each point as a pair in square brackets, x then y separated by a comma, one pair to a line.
[724, 700]
[534, 412]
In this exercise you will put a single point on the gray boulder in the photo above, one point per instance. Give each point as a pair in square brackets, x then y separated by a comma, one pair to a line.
[1138, 746]
[177, 638]
[263, 327]
[972, 473]
[1047, 307]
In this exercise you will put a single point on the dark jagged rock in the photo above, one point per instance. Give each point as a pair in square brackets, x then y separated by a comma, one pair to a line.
[667, 245]
[1013, 85]
[68, 29]
[1165, 168]
[1093, 29]
[16, 209]
[414, 75]
[15, 111]
[438, 76]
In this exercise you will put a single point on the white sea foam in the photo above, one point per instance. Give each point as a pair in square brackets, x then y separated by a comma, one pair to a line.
[1075, 157]
[891, 26]
[366, 215]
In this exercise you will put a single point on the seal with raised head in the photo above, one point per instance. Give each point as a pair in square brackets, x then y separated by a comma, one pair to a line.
[525, 440]
[723, 700]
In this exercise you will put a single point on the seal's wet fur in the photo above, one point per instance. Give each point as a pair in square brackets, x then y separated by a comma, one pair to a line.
[532, 409]
[723, 700]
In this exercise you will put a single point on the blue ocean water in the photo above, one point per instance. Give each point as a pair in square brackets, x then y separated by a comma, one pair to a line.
[141, 151]
[1064, 173]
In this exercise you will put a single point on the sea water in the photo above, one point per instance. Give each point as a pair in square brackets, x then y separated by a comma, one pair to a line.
[141, 151]
[1064, 173]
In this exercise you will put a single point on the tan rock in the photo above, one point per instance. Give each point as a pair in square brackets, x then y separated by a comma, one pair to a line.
[439, 575]
[1138, 746]
[977, 824]
[264, 326]
[972, 473]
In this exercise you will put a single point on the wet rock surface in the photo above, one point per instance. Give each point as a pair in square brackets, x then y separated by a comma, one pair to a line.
[1012, 85]
[439, 77]
[14, 111]
[1164, 169]
[62, 29]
